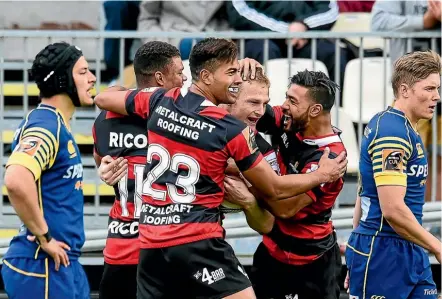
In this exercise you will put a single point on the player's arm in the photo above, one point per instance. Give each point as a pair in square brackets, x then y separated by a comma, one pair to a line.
[389, 155]
[289, 207]
[258, 218]
[35, 152]
[113, 99]
[272, 120]
[243, 149]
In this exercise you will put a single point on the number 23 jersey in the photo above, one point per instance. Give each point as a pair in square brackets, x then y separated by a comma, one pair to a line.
[190, 141]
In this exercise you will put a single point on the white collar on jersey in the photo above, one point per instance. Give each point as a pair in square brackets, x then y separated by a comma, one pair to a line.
[323, 141]
[206, 102]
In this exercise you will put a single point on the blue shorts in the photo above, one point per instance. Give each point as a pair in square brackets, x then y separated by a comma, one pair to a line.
[388, 267]
[26, 278]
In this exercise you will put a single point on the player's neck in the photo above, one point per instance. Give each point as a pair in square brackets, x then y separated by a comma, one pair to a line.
[202, 92]
[400, 105]
[320, 126]
[63, 103]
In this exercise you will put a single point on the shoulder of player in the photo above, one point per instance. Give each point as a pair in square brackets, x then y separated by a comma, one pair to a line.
[264, 147]
[43, 118]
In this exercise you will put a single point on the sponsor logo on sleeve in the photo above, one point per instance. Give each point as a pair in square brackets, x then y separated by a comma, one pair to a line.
[393, 160]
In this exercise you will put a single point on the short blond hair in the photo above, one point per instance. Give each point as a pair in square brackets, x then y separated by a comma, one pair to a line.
[414, 67]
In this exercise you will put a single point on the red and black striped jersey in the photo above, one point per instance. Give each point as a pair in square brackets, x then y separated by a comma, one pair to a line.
[310, 233]
[190, 141]
[122, 136]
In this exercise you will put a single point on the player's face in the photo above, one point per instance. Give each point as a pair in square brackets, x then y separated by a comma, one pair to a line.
[424, 96]
[226, 82]
[84, 81]
[250, 104]
[296, 109]
[174, 77]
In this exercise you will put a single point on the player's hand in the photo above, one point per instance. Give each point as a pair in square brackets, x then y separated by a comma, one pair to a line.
[111, 171]
[434, 7]
[237, 192]
[56, 249]
[438, 256]
[248, 65]
[347, 283]
[332, 169]
[232, 169]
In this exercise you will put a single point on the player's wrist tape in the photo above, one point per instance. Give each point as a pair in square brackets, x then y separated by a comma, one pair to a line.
[47, 236]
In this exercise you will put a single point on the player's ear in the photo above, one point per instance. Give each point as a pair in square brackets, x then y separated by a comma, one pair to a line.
[315, 110]
[206, 77]
[159, 78]
[404, 89]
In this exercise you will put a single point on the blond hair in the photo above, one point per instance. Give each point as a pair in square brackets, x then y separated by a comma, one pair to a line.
[414, 67]
[260, 77]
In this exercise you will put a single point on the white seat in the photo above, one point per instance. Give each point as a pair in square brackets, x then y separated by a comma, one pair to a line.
[358, 22]
[188, 74]
[278, 72]
[376, 78]
[342, 121]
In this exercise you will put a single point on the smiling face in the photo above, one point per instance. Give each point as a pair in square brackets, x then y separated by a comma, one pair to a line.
[84, 81]
[251, 102]
[296, 108]
[225, 82]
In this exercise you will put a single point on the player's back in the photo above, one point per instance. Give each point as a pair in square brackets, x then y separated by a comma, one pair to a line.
[391, 154]
[122, 136]
[190, 141]
[44, 144]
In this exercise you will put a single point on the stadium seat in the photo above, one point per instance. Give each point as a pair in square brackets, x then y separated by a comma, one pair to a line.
[342, 121]
[186, 72]
[358, 22]
[279, 73]
[373, 82]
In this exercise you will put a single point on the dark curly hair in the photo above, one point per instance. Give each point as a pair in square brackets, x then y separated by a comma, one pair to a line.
[209, 53]
[321, 89]
[152, 57]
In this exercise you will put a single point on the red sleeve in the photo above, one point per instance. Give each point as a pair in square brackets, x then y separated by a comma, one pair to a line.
[271, 121]
[243, 149]
[137, 102]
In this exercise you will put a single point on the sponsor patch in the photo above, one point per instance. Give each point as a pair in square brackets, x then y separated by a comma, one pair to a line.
[28, 145]
[250, 139]
[393, 160]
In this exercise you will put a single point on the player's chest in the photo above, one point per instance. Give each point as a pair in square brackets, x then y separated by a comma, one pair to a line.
[68, 162]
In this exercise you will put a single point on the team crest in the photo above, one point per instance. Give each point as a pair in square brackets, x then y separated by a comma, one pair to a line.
[392, 160]
[71, 149]
[28, 145]
[420, 152]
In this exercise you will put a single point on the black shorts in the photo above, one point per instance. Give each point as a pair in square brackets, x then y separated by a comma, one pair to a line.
[118, 281]
[318, 280]
[204, 269]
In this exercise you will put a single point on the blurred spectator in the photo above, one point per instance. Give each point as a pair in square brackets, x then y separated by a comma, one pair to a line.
[355, 6]
[186, 16]
[120, 15]
[287, 16]
[412, 16]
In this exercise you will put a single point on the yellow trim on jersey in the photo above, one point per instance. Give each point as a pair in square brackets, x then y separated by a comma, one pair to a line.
[50, 143]
[24, 272]
[8, 137]
[36, 252]
[26, 161]
[382, 146]
[366, 266]
[390, 178]
[357, 251]
[47, 279]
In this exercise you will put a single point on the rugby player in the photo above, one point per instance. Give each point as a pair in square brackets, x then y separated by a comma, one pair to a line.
[156, 64]
[44, 182]
[299, 255]
[183, 252]
[386, 253]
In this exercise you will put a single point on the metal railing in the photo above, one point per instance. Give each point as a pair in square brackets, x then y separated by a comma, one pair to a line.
[82, 120]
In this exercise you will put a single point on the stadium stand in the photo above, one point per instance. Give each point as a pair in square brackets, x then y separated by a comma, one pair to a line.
[19, 96]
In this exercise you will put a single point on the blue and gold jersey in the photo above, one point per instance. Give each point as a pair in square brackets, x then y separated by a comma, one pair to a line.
[392, 153]
[44, 144]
